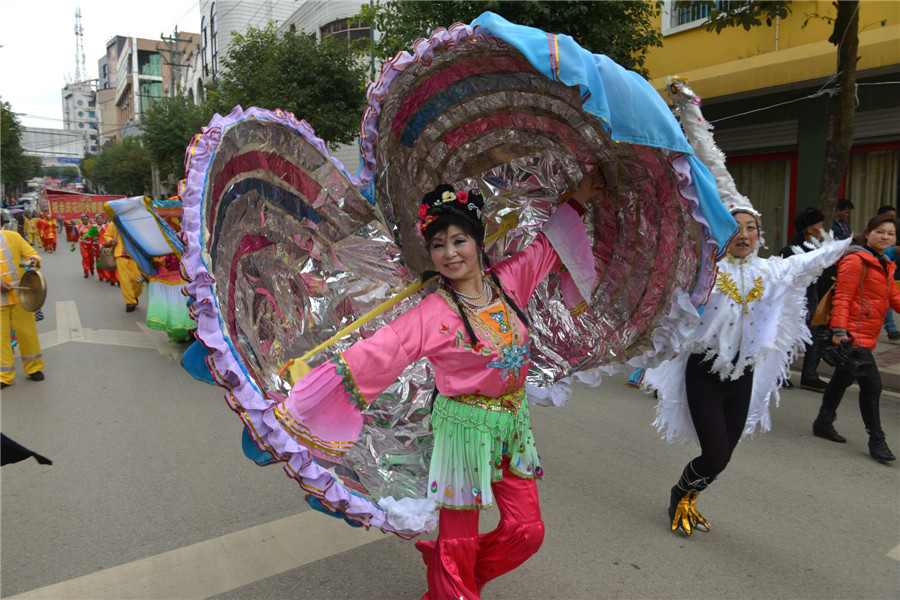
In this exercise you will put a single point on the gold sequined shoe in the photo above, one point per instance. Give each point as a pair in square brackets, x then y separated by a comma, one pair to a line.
[698, 520]
[680, 514]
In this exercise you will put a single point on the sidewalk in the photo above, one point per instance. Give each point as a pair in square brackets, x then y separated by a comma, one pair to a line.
[887, 357]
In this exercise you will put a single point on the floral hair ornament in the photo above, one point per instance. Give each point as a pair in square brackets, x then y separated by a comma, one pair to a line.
[443, 199]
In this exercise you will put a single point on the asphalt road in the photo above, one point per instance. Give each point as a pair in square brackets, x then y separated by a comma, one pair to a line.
[150, 496]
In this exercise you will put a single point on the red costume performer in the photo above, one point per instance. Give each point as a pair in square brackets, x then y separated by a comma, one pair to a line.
[50, 230]
[39, 226]
[71, 235]
[88, 244]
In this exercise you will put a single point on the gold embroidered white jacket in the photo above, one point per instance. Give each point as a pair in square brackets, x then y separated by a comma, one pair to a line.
[755, 317]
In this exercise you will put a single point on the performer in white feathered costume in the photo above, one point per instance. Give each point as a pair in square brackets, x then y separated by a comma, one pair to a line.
[718, 387]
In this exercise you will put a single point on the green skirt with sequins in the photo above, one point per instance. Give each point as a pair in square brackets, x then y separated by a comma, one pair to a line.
[469, 444]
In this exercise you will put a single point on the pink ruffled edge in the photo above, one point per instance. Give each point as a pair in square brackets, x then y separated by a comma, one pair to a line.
[423, 52]
[710, 253]
[243, 396]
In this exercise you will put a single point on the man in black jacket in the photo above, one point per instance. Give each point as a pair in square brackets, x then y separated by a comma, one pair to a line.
[809, 226]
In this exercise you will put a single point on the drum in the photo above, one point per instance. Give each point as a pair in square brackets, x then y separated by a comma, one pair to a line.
[107, 260]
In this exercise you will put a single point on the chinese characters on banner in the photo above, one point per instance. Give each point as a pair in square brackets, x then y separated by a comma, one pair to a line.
[68, 205]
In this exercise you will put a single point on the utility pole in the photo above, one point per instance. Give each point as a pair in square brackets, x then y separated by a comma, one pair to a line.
[173, 56]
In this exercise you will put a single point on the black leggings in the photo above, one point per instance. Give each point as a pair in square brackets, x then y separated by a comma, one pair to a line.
[719, 412]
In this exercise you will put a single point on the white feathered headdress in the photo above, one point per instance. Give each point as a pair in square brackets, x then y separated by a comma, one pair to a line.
[686, 106]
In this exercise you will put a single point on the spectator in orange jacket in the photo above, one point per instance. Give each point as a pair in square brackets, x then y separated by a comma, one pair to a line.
[863, 292]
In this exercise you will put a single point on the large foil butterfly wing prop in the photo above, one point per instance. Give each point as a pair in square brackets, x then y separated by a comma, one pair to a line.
[522, 114]
[284, 248]
[283, 251]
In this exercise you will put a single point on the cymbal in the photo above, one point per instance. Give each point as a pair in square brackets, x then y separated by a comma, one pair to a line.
[32, 290]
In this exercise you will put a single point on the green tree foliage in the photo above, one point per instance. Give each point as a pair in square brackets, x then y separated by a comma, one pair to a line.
[121, 167]
[169, 125]
[320, 82]
[623, 31]
[65, 173]
[86, 166]
[15, 167]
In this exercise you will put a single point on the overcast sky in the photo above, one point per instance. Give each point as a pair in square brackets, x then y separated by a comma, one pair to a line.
[38, 45]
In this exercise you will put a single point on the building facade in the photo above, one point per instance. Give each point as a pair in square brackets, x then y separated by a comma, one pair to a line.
[55, 147]
[220, 20]
[139, 72]
[769, 94]
[80, 113]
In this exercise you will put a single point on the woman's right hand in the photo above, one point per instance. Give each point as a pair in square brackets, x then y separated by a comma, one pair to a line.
[838, 339]
[592, 184]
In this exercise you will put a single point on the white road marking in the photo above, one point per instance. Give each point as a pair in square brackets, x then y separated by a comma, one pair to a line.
[133, 339]
[895, 553]
[69, 329]
[160, 341]
[218, 565]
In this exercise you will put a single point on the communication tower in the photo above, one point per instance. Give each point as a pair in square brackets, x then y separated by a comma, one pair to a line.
[80, 70]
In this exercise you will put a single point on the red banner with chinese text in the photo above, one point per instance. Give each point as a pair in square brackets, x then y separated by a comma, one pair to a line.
[71, 205]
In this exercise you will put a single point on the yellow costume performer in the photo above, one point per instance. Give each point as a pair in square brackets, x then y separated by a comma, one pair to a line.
[14, 317]
[30, 228]
[129, 274]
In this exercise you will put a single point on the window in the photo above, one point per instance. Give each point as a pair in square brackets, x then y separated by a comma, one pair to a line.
[92, 115]
[150, 92]
[149, 63]
[689, 14]
[768, 180]
[293, 28]
[203, 48]
[359, 35]
[692, 15]
[872, 180]
[80, 113]
[93, 137]
[92, 125]
[92, 104]
[80, 103]
[213, 41]
[81, 126]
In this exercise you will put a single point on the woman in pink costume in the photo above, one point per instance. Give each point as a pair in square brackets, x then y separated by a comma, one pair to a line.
[474, 331]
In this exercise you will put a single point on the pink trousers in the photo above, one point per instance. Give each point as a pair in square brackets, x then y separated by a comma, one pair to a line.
[461, 561]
